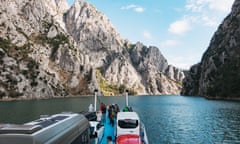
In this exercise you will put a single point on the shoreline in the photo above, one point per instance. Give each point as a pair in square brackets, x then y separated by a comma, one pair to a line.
[216, 98]
[221, 98]
[59, 97]
[40, 98]
[82, 96]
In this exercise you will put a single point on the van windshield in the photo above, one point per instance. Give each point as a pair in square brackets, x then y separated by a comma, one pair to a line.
[128, 123]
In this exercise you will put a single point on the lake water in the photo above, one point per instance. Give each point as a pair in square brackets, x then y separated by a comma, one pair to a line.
[168, 119]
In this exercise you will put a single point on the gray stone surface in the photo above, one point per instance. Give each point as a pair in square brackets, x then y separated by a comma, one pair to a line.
[49, 49]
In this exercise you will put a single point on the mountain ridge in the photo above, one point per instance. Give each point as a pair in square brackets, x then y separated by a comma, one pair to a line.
[49, 49]
[217, 75]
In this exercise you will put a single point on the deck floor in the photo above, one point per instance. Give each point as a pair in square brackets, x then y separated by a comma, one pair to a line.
[108, 131]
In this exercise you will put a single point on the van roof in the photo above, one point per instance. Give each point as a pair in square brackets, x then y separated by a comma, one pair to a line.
[127, 115]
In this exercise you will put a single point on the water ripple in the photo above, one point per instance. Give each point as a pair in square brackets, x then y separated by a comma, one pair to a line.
[187, 120]
[168, 119]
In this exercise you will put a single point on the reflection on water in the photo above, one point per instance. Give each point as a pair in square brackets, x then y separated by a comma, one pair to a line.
[168, 119]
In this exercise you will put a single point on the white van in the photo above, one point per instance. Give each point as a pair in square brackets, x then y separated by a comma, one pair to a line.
[127, 123]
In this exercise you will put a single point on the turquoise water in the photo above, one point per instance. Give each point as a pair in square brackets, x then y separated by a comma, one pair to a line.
[168, 119]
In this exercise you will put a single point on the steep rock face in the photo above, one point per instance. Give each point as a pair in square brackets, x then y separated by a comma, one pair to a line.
[220, 66]
[35, 51]
[98, 40]
[94, 33]
[158, 77]
[122, 71]
[57, 8]
[48, 49]
[87, 25]
[174, 73]
[145, 58]
[191, 81]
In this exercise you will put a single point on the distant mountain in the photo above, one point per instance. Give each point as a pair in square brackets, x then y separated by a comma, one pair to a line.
[49, 49]
[218, 73]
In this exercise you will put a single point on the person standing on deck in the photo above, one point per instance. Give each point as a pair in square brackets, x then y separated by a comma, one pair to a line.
[117, 108]
[99, 116]
[103, 110]
[109, 140]
[110, 114]
[102, 107]
[91, 108]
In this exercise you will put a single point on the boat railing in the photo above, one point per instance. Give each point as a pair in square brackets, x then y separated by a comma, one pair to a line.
[143, 133]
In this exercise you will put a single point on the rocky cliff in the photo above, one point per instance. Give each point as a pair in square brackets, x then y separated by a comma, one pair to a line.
[49, 49]
[157, 76]
[217, 75]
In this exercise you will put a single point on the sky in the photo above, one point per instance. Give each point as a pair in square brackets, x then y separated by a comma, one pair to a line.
[181, 29]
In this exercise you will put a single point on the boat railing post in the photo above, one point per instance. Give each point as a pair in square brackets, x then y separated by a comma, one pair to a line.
[127, 98]
[95, 100]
